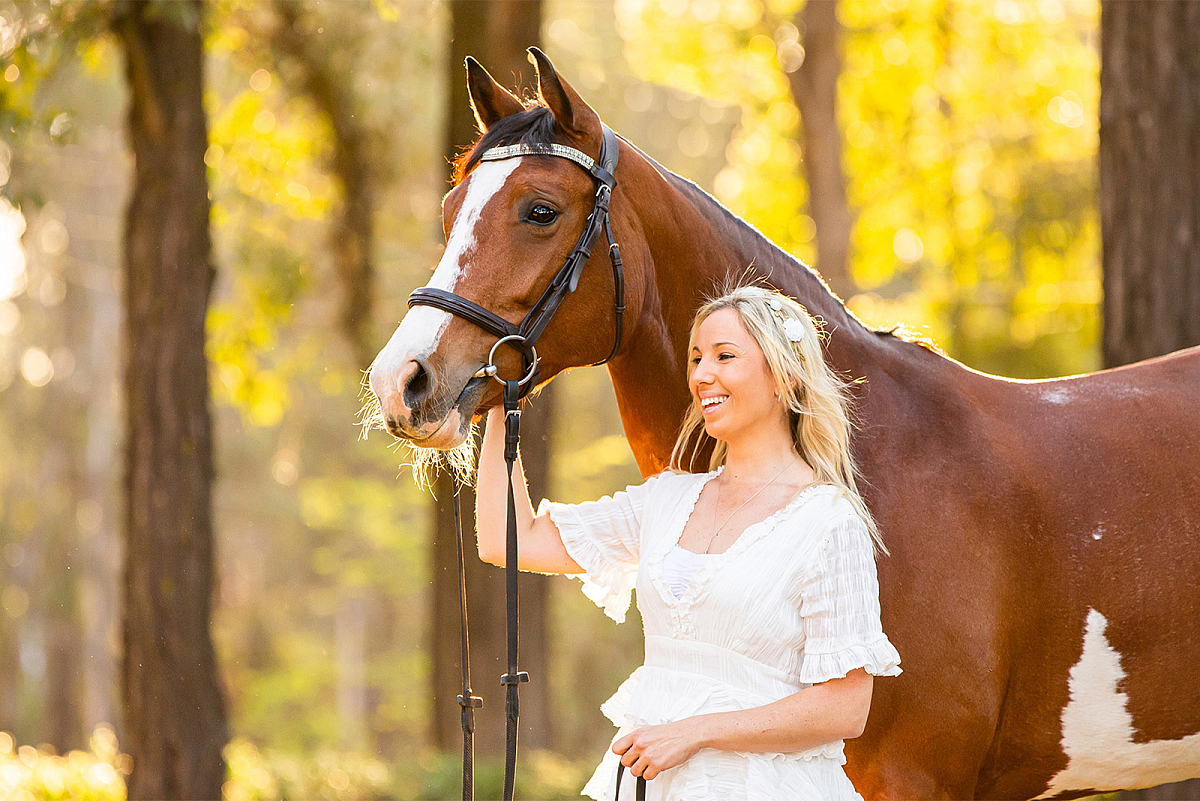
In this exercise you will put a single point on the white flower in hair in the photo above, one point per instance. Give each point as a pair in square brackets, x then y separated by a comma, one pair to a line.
[776, 305]
[793, 329]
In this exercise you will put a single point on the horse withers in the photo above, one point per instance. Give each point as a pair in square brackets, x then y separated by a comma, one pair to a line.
[1043, 586]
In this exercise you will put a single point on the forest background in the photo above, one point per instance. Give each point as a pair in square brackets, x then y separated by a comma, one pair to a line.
[967, 135]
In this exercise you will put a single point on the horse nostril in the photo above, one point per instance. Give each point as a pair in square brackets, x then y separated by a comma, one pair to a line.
[420, 385]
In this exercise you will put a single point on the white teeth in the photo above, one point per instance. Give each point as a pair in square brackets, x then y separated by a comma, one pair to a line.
[707, 402]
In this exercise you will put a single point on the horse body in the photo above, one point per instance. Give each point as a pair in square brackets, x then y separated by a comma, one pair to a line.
[1042, 584]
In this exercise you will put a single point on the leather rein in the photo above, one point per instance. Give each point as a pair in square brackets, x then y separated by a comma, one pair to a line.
[523, 338]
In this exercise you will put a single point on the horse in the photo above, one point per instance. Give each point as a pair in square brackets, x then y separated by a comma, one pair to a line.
[1044, 534]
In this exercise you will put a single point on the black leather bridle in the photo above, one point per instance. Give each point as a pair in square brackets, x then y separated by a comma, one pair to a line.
[523, 337]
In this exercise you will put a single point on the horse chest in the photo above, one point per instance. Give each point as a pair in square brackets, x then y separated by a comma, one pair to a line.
[1098, 732]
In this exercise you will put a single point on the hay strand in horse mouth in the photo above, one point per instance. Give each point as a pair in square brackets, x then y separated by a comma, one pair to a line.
[424, 462]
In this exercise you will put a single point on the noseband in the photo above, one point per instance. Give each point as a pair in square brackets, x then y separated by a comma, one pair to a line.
[523, 338]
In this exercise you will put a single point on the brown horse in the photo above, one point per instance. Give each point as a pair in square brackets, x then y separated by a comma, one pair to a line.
[1043, 586]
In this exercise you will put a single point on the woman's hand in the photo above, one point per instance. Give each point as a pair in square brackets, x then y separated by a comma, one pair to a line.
[648, 752]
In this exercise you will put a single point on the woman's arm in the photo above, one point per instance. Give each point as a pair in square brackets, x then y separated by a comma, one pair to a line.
[832, 710]
[540, 548]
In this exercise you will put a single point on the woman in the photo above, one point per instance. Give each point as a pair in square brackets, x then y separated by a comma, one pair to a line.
[756, 581]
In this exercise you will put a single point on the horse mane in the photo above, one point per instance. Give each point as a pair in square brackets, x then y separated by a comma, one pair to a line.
[899, 331]
[535, 127]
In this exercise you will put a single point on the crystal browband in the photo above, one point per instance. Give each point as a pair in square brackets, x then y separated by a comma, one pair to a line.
[552, 149]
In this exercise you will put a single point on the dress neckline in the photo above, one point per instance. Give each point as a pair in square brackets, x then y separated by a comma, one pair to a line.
[749, 535]
[695, 499]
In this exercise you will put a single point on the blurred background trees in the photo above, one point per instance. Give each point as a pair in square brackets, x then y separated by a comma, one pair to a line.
[937, 159]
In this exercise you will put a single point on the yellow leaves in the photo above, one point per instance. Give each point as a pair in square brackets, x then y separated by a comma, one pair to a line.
[274, 158]
[28, 773]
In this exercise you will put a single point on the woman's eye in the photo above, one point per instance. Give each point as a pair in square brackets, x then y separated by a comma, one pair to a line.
[724, 356]
[542, 215]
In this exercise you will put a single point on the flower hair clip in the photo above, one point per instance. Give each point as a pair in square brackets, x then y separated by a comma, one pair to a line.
[793, 329]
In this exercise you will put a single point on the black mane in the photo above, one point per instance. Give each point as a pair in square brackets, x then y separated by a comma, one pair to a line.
[533, 126]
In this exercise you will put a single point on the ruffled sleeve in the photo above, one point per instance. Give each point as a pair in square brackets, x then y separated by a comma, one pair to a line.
[840, 609]
[605, 538]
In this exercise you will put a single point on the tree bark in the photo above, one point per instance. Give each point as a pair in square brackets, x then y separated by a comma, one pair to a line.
[814, 90]
[497, 33]
[1150, 177]
[174, 709]
[1149, 183]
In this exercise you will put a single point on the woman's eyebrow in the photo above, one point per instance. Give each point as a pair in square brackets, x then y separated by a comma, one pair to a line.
[719, 344]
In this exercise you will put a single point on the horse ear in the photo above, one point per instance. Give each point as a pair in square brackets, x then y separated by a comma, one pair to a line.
[490, 101]
[571, 113]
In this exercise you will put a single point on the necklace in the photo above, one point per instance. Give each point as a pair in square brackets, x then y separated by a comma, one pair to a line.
[716, 505]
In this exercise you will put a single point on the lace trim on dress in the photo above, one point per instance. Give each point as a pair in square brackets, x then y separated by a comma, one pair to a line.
[751, 534]
[879, 657]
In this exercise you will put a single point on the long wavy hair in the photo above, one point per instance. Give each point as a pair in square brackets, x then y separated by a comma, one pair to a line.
[818, 401]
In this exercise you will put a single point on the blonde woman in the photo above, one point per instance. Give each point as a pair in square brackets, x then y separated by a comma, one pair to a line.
[756, 580]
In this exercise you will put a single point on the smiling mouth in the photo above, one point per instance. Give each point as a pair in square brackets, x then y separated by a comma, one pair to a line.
[710, 404]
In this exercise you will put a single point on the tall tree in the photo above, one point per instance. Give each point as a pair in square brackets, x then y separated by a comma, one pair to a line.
[814, 89]
[497, 33]
[174, 709]
[1150, 195]
[1150, 177]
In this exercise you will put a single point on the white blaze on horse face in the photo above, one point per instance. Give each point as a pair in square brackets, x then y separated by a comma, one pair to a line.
[422, 327]
[1098, 729]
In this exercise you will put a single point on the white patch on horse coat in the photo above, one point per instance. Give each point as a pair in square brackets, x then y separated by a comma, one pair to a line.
[422, 327]
[1098, 729]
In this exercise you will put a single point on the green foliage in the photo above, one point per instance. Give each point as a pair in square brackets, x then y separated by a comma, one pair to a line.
[970, 138]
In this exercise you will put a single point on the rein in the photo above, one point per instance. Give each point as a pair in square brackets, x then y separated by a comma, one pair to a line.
[523, 338]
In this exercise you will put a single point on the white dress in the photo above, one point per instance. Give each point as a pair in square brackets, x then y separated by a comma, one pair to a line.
[794, 601]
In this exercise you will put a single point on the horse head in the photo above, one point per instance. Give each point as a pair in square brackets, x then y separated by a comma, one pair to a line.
[509, 226]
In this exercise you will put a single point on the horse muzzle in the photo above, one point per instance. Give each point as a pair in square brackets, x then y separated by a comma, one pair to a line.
[414, 406]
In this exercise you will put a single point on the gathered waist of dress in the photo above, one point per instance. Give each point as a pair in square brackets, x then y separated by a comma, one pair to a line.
[720, 664]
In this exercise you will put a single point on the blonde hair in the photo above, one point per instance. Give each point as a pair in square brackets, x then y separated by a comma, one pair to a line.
[817, 399]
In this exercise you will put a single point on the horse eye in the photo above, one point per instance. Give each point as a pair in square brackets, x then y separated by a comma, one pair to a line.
[542, 215]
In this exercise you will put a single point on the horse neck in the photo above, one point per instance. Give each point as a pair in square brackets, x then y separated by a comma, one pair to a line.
[691, 245]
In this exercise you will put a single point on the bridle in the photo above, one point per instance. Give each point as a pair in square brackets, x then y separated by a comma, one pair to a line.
[523, 337]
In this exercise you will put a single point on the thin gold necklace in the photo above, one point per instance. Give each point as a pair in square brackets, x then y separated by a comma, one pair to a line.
[717, 505]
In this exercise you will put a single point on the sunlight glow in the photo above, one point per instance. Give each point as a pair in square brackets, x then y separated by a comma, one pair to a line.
[12, 255]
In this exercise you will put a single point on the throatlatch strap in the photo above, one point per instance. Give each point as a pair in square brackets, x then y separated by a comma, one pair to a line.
[513, 678]
[467, 700]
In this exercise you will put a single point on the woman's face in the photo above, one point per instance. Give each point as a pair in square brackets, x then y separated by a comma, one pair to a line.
[730, 379]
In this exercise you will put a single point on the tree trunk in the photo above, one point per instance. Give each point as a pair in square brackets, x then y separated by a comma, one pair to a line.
[1149, 183]
[497, 33]
[174, 709]
[1150, 177]
[814, 90]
